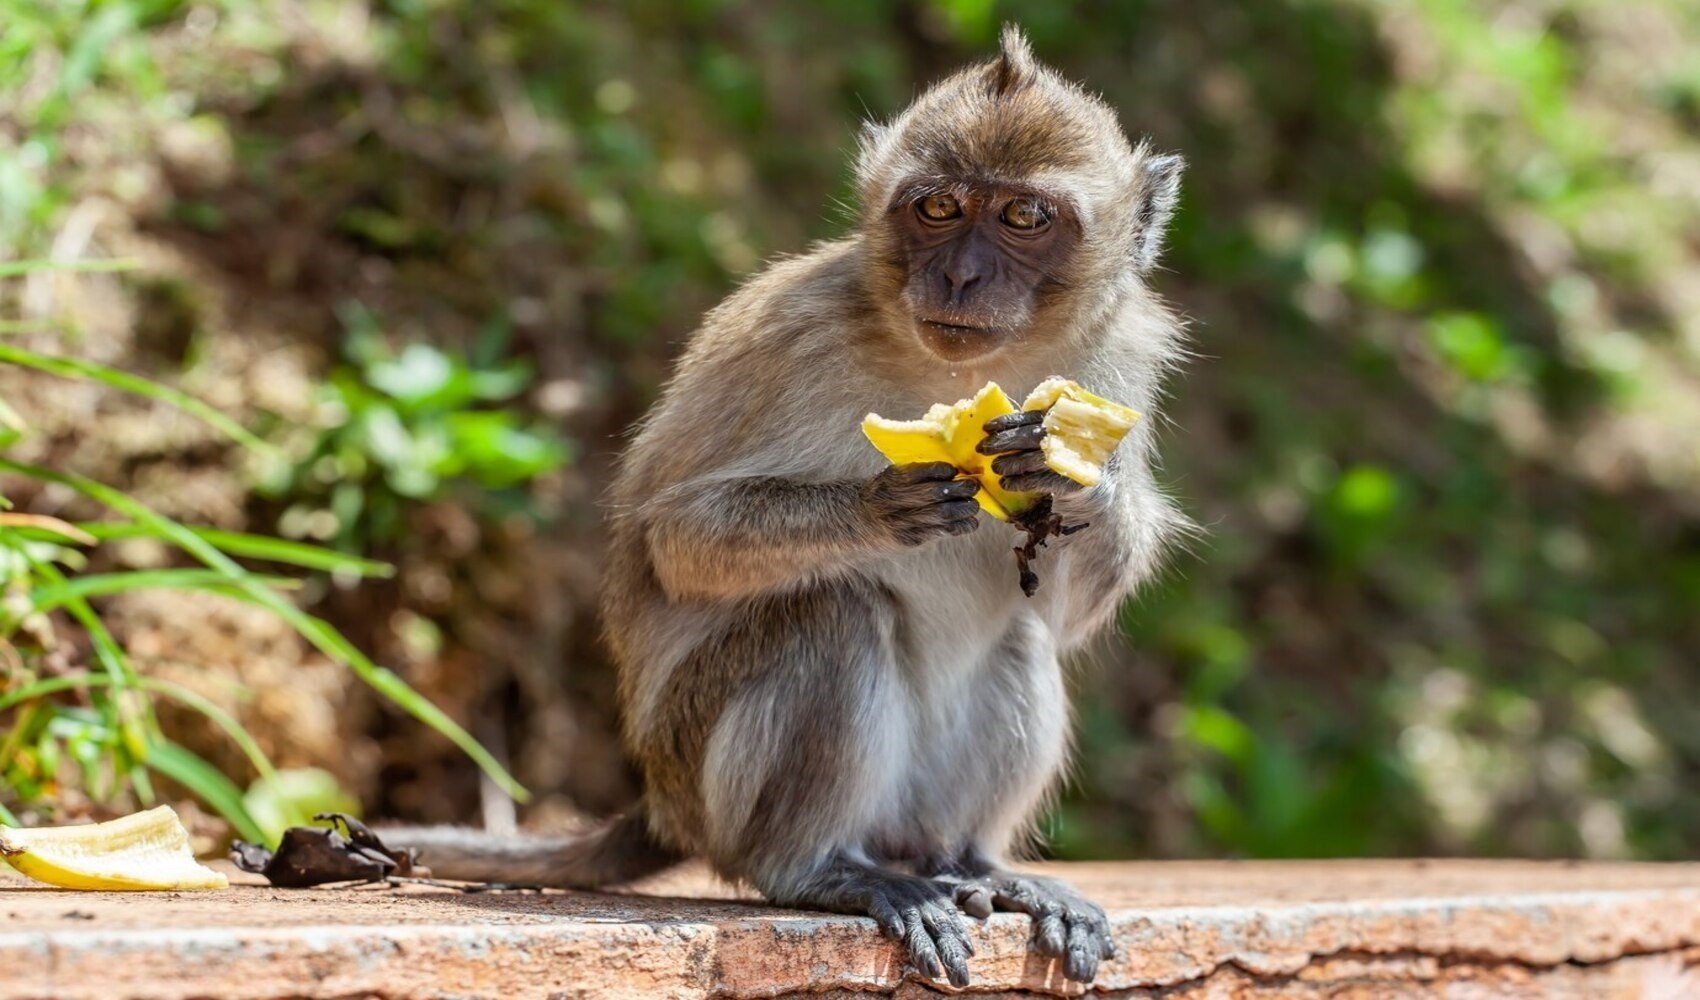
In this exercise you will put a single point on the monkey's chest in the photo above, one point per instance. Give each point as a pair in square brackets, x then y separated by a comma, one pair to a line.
[959, 598]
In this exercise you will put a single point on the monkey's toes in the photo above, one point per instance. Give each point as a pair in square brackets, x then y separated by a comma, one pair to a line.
[923, 917]
[975, 899]
[1065, 926]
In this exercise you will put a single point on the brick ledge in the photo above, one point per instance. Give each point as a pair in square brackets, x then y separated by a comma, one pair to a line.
[1185, 929]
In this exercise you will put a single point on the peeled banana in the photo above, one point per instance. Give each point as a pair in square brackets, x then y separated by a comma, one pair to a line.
[1081, 430]
[145, 850]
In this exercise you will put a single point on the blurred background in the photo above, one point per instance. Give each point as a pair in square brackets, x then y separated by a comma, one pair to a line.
[1441, 259]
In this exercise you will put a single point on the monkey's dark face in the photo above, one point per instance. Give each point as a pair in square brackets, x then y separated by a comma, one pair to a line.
[979, 263]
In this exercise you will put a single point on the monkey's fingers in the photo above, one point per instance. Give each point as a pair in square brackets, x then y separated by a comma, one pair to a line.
[919, 524]
[958, 512]
[1027, 472]
[936, 940]
[1023, 438]
[1018, 463]
[920, 494]
[925, 472]
[1050, 930]
[1043, 481]
[1010, 421]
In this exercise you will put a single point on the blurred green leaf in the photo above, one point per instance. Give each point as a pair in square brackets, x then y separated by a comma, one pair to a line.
[207, 783]
[292, 797]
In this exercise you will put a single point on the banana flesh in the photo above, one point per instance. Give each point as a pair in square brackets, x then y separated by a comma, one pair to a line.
[145, 850]
[1081, 431]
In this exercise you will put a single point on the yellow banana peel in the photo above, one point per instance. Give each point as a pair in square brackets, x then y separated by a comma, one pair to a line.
[1081, 431]
[145, 850]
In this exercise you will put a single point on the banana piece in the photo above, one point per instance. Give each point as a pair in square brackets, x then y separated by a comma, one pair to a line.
[1081, 430]
[949, 434]
[145, 850]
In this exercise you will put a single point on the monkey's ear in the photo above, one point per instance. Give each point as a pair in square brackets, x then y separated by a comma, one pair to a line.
[1160, 189]
[1015, 66]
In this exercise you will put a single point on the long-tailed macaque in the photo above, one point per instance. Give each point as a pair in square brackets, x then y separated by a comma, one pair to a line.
[834, 689]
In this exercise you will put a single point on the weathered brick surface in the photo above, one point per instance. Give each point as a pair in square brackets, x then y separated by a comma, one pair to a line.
[1458, 929]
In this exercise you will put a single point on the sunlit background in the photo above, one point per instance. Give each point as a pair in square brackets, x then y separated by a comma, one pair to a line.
[1441, 259]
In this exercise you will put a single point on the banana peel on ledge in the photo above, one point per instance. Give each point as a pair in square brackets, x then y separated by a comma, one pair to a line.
[143, 851]
[1081, 432]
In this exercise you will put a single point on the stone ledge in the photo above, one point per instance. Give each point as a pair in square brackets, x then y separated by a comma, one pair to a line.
[1185, 929]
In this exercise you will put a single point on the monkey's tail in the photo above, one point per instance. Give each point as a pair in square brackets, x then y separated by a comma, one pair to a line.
[620, 850]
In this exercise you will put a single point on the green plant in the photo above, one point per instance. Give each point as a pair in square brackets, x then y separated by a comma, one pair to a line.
[404, 427]
[96, 724]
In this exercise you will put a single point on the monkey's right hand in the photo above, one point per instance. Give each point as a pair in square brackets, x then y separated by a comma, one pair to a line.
[918, 502]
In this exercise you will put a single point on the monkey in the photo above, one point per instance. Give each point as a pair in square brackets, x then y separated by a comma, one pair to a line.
[831, 687]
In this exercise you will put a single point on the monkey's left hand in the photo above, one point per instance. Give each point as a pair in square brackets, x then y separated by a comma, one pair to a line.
[1020, 465]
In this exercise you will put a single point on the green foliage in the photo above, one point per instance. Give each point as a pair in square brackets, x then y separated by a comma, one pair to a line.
[405, 427]
[106, 734]
[282, 799]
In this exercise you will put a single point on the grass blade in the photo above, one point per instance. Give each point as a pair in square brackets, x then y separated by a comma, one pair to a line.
[187, 769]
[170, 689]
[16, 268]
[106, 584]
[46, 523]
[76, 368]
[106, 648]
[248, 546]
[316, 631]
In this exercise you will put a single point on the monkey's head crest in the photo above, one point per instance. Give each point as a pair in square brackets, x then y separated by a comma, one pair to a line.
[1015, 66]
[1009, 118]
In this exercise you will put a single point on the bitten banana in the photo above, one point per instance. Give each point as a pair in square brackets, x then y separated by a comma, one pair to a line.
[1081, 430]
[145, 850]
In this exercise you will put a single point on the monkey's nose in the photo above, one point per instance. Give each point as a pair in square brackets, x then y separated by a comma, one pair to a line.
[960, 277]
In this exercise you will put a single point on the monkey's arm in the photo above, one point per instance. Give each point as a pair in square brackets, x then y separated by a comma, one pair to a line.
[741, 537]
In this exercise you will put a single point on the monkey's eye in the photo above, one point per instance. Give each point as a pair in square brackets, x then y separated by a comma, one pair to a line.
[939, 207]
[1024, 213]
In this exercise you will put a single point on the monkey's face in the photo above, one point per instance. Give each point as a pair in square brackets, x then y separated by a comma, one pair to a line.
[1004, 208]
[979, 263]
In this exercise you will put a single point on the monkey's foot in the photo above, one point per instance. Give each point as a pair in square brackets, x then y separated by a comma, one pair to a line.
[921, 915]
[1066, 925]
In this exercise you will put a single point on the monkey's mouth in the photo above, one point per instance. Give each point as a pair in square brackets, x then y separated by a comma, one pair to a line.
[957, 329]
[959, 341]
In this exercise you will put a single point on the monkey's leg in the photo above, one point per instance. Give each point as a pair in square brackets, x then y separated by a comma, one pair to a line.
[809, 757]
[1017, 720]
